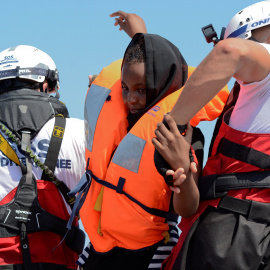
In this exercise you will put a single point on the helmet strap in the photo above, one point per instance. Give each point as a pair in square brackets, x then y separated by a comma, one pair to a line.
[41, 87]
[253, 38]
[57, 95]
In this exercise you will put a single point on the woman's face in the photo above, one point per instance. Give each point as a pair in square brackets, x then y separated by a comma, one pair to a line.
[133, 81]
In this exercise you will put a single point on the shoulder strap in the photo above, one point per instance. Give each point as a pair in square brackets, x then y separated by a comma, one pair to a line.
[54, 146]
[230, 102]
[244, 154]
[52, 157]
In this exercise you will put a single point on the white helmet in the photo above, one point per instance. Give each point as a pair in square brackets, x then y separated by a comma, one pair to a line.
[250, 18]
[27, 62]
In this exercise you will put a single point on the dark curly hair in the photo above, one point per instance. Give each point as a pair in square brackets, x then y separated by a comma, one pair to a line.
[135, 52]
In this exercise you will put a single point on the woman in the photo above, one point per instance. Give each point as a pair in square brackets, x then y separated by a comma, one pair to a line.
[128, 203]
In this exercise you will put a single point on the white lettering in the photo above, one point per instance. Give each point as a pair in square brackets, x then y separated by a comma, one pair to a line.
[260, 22]
[24, 71]
[23, 218]
[23, 212]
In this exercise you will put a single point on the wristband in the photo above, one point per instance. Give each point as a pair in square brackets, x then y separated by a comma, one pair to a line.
[161, 164]
[182, 128]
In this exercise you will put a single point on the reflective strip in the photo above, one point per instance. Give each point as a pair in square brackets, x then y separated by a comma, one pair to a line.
[95, 100]
[129, 152]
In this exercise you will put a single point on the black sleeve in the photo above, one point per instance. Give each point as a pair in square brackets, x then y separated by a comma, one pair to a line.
[197, 142]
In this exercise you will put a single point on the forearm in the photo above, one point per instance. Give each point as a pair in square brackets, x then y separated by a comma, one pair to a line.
[187, 201]
[209, 77]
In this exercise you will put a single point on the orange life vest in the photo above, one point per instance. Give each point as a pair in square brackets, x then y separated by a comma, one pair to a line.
[130, 211]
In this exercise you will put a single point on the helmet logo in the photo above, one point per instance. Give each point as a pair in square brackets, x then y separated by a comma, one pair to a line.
[8, 57]
[261, 22]
[58, 132]
[22, 71]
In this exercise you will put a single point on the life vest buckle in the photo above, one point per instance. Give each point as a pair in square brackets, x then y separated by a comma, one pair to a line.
[120, 185]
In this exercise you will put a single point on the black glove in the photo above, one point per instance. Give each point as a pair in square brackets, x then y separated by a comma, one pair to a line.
[161, 164]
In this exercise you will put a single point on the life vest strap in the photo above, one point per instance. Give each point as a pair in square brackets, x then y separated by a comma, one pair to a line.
[244, 154]
[216, 185]
[235, 205]
[252, 210]
[79, 194]
[119, 189]
[25, 247]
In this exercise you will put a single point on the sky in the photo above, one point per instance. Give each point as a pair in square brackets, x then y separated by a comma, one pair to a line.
[81, 37]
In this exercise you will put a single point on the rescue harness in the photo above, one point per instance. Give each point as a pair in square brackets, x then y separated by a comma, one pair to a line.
[217, 185]
[23, 214]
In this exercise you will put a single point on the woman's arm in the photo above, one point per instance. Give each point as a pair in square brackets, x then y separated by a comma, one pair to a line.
[175, 149]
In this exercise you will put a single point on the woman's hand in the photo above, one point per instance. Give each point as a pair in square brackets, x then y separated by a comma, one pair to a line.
[178, 178]
[173, 146]
[130, 23]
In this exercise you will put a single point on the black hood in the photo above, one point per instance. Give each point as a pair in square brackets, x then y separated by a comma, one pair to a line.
[166, 71]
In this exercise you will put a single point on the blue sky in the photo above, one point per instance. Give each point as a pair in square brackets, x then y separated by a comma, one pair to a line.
[81, 38]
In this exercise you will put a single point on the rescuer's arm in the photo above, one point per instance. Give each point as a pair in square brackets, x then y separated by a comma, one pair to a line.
[244, 60]
[130, 23]
[175, 149]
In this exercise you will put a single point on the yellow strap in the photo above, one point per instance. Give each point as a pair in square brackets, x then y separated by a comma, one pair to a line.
[99, 228]
[97, 207]
[166, 236]
[98, 204]
[60, 115]
[8, 151]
